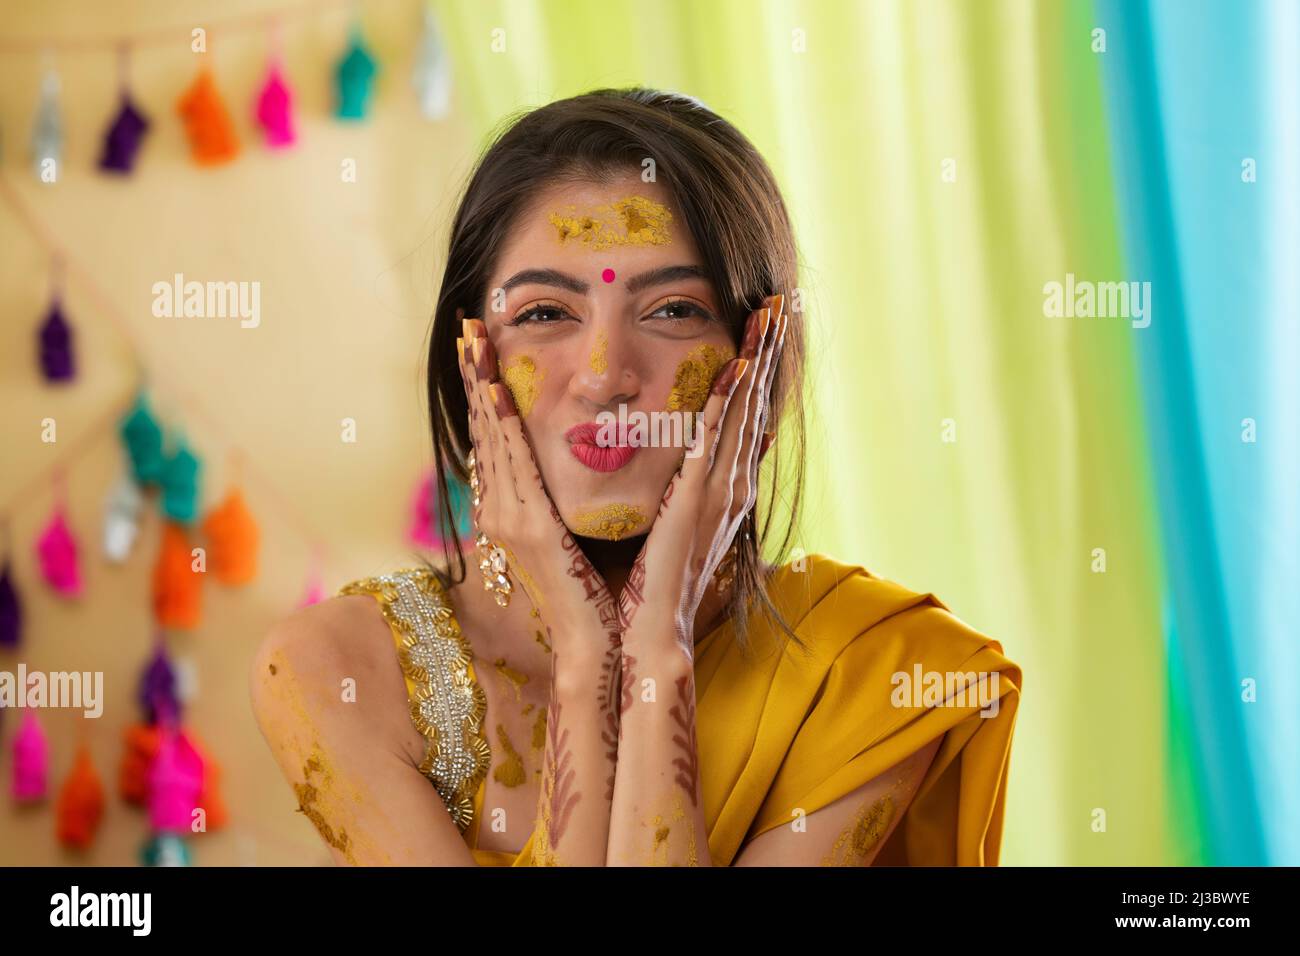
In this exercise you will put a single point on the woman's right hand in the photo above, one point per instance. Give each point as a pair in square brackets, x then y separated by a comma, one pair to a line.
[516, 512]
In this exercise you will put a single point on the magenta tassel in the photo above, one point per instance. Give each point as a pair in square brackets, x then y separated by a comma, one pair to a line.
[31, 760]
[57, 550]
[275, 110]
[175, 783]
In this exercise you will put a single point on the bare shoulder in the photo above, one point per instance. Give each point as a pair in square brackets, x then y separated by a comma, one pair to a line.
[330, 698]
[336, 652]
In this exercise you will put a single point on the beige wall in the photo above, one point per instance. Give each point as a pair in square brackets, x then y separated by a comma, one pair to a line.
[347, 277]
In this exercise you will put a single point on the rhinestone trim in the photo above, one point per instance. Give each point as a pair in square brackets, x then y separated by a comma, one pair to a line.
[448, 706]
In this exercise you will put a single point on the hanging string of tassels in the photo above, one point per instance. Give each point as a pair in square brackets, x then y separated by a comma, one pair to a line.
[148, 467]
[209, 124]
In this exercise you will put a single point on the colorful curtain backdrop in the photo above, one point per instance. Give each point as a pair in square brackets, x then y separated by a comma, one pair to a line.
[1086, 489]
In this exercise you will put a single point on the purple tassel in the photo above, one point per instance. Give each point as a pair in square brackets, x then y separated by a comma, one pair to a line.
[158, 689]
[11, 612]
[122, 141]
[56, 346]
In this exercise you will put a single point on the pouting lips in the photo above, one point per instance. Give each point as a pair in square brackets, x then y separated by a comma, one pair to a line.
[583, 443]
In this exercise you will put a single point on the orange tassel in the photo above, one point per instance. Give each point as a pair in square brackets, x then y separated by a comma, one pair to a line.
[142, 741]
[81, 803]
[207, 122]
[234, 536]
[210, 796]
[177, 587]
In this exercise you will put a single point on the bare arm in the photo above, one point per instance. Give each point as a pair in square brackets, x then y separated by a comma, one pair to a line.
[352, 763]
[657, 816]
[849, 831]
[581, 749]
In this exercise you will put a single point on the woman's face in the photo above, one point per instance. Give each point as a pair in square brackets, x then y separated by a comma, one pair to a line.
[598, 304]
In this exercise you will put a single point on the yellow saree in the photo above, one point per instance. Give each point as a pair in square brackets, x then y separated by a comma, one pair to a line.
[781, 732]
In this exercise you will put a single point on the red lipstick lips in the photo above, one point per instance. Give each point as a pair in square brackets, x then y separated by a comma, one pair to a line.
[582, 442]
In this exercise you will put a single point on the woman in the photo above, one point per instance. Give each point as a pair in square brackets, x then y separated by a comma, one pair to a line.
[620, 679]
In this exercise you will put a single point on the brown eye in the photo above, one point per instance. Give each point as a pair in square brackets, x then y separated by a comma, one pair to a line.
[681, 310]
[540, 315]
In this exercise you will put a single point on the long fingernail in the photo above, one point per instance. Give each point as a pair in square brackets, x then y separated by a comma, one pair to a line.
[484, 358]
[730, 375]
[501, 400]
[754, 333]
[777, 304]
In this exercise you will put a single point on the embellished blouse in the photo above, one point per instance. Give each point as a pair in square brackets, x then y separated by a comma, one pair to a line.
[446, 702]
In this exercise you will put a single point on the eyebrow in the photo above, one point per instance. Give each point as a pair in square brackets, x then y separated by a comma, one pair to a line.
[643, 280]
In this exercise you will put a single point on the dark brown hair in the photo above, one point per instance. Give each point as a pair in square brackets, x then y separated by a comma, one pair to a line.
[727, 196]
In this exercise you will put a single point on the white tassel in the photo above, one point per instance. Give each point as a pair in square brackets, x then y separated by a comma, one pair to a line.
[47, 131]
[431, 76]
[122, 518]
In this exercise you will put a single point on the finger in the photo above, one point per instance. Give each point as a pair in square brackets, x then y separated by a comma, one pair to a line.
[523, 464]
[752, 452]
[507, 498]
[489, 489]
[478, 440]
[758, 395]
[736, 417]
[696, 464]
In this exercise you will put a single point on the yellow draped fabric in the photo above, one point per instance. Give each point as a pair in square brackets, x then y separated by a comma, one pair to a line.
[781, 731]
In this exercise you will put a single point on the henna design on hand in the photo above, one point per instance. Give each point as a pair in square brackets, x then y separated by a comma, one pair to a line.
[593, 585]
[683, 713]
[633, 594]
[627, 680]
[609, 705]
[558, 796]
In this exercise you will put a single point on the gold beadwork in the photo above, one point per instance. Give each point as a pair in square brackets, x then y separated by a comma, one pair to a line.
[448, 706]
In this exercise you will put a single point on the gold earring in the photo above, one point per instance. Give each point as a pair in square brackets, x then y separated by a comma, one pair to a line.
[473, 484]
[492, 561]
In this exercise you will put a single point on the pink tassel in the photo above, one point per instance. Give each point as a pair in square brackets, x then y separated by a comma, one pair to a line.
[275, 110]
[58, 553]
[31, 760]
[175, 782]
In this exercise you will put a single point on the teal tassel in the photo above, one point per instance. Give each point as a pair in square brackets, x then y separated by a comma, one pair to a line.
[354, 74]
[165, 849]
[180, 498]
[143, 440]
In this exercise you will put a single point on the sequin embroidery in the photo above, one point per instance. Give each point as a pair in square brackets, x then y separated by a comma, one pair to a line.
[448, 706]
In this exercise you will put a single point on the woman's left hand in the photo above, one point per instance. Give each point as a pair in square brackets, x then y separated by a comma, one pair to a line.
[707, 500]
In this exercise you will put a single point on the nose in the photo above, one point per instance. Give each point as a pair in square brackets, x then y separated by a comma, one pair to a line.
[605, 373]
